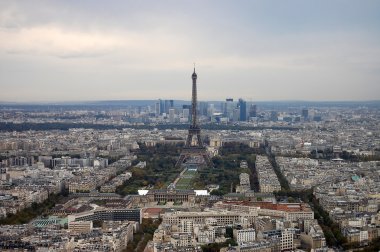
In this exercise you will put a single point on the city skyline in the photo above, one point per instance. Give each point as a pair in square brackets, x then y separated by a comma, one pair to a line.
[273, 51]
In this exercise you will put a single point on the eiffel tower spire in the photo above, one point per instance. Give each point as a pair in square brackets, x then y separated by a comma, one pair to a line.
[194, 122]
[198, 149]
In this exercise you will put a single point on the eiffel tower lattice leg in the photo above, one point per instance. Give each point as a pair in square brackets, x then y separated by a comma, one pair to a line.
[181, 158]
[207, 160]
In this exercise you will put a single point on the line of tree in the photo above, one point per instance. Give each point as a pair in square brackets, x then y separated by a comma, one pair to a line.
[29, 213]
[143, 235]
[281, 178]
[331, 230]
[215, 247]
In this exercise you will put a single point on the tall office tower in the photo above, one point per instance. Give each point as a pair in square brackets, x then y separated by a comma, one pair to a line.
[186, 113]
[157, 108]
[229, 108]
[210, 109]
[203, 108]
[168, 105]
[236, 115]
[162, 106]
[150, 109]
[305, 113]
[189, 108]
[172, 115]
[253, 110]
[243, 110]
[223, 107]
[192, 149]
[157, 111]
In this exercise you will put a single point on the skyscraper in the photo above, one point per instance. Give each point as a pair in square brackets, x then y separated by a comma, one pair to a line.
[305, 113]
[229, 108]
[188, 107]
[203, 108]
[172, 115]
[236, 114]
[243, 110]
[157, 110]
[186, 113]
[253, 110]
[168, 105]
[162, 106]
[210, 110]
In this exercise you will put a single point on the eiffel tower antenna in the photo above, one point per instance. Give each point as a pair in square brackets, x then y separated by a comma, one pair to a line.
[198, 149]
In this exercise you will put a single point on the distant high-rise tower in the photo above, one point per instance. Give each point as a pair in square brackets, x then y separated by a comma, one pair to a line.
[229, 108]
[162, 106]
[168, 105]
[194, 148]
[253, 110]
[203, 108]
[171, 115]
[157, 110]
[236, 114]
[305, 113]
[186, 114]
[243, 110]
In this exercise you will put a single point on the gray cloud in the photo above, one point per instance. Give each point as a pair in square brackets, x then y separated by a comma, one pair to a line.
[145, 49]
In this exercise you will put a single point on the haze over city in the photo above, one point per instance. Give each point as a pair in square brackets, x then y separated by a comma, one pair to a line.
[259, 50]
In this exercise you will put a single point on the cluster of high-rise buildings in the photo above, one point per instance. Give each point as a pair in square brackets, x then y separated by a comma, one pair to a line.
[228, 111]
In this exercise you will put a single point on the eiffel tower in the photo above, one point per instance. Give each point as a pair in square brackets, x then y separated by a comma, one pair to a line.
[198, 149]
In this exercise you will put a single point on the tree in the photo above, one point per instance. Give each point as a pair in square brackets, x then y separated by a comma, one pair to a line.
[229, 232]
[217, 192]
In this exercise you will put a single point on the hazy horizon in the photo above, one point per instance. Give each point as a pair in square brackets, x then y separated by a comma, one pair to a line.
[91, 102]
[63, 51]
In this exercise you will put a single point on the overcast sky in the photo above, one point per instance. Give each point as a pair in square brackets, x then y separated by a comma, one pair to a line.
[257, 50]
